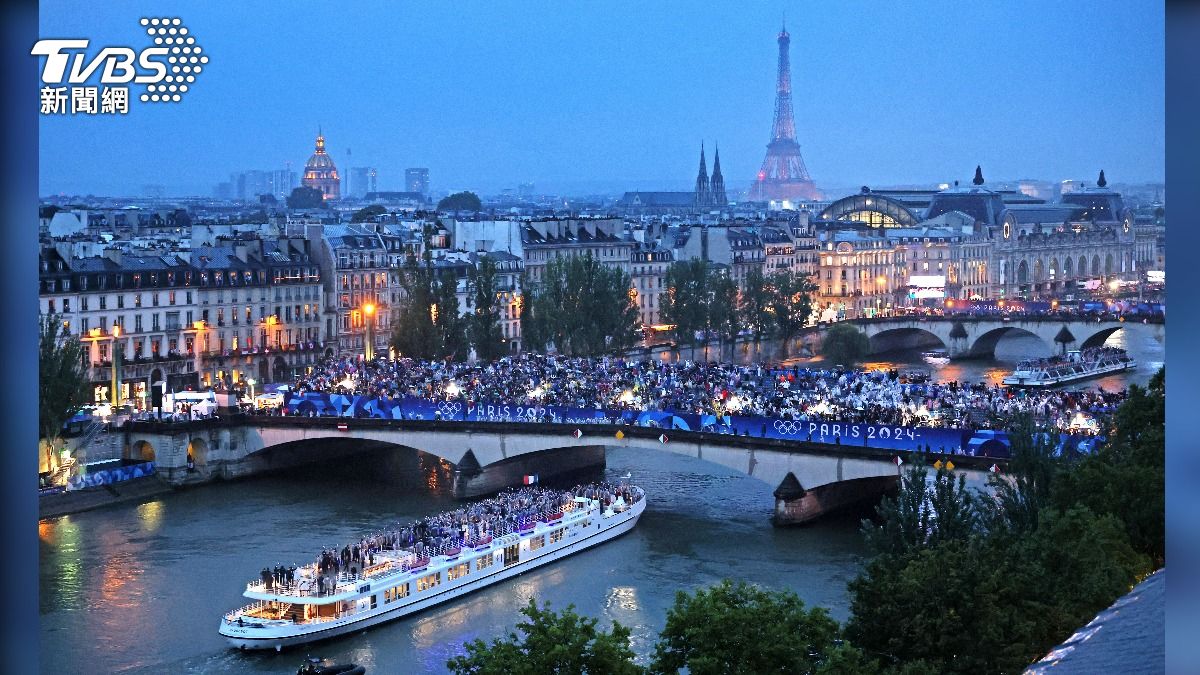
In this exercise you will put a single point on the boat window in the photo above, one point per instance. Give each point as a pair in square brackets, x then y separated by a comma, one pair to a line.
[511, 555]
[429, 581]
[395, 593]
[556, 536]
[537, 542]
[484, 561]
[458, 571]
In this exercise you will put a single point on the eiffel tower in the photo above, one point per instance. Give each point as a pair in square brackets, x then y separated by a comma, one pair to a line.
[783, 175]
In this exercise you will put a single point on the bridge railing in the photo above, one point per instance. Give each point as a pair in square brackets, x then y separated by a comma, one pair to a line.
[593, 435]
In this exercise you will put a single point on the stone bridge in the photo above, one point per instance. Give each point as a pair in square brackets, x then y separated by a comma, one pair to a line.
[810, 479]
[968, 337]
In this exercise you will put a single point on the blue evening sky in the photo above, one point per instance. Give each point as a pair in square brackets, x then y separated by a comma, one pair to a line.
[607, 96]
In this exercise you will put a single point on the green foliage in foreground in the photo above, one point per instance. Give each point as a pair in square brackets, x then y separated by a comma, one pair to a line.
[550, 643]
[844, 345]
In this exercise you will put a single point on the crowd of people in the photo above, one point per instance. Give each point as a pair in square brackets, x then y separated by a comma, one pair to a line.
[720, 389]
[438, 534]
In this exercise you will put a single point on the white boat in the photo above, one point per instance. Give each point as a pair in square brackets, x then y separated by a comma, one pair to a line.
[400, 583]
[1074, 366]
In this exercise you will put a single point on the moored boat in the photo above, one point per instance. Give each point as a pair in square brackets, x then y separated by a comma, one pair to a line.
[394, 577]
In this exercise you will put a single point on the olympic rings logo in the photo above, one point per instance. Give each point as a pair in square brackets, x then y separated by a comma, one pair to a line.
[788, 427]
[450, 408]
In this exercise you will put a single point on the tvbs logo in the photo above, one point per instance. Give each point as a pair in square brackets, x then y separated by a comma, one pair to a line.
[167, 69]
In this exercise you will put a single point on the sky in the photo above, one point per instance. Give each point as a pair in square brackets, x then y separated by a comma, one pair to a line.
[611, 96]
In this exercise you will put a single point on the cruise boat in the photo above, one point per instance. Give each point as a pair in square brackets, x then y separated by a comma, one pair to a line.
[1075, 365]
[401, 582]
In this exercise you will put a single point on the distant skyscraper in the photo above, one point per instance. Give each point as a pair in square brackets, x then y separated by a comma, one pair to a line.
[416, 180]
[783, 174]
[525, 190]
[283, 181]
[362, 179]
[320, 172]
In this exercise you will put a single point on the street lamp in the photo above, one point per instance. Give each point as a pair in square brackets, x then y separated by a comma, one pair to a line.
[368, 321]
[250, 381]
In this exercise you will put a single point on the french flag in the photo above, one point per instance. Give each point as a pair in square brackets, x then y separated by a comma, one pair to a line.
[529, 480]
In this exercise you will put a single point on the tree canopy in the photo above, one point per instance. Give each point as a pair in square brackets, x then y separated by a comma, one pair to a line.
[731, 628]
[844, 345]
[368, 213]
[305, 197]
[550, 642]
[460, 201]
[484, 321]
[428, 324]
[62, 381]
[581, 306]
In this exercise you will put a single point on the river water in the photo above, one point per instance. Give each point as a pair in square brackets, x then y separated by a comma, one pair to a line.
[141, 588]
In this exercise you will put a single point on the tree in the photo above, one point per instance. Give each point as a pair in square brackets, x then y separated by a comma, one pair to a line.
[550, 643]
[305, 197]
[741, 629]
[62, 382]
[754, 311]
[368, 213]
[723, 312]
[790, 304]
[450, 326]
[413, 333]
[1126, 477]
[460, 201]
[484, 321]
[923, 513]
[686, 302]
[581, 306]
[844, 345]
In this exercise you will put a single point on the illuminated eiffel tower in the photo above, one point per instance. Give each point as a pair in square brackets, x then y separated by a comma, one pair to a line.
[783, 175]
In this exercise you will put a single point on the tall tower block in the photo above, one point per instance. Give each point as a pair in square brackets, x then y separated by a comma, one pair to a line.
[783, 175]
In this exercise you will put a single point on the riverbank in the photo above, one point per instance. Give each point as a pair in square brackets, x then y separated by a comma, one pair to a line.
[65, 503]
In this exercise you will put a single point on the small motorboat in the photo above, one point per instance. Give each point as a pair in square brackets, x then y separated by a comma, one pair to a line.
[317, 667]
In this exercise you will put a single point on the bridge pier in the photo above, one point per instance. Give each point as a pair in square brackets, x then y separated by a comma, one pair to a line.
[796, 506]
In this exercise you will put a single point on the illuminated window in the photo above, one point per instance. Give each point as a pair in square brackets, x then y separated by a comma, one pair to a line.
[556, 536]
[484, 562]
[428, 581]
[537, 542]
[458, 571]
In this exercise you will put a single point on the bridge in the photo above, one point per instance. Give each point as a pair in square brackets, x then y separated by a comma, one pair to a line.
[809, 479]
[971, 337]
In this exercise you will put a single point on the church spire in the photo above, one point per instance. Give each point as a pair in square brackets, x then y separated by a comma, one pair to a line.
[717, 185]
[978, 180]
[703, 195]
[1102, 182]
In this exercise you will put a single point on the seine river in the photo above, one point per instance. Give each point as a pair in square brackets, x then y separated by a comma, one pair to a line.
[141, 588]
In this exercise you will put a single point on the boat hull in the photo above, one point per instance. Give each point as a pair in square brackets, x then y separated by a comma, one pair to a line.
[1014, 381]
[284, 635]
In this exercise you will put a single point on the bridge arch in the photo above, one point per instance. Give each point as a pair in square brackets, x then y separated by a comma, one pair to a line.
[197, 450]
[141, 451]
[1099, 337]
[907, 337]
[985, 344]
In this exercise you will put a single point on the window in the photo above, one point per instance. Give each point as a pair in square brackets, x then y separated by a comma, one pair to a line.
[458, 571]
[557, 535]
[83, 303]
[428, 581]
[484, 561]
[121, 301]
[537, 542]
[137, 298]
[395, 593]
[104, 302]
[511, 555]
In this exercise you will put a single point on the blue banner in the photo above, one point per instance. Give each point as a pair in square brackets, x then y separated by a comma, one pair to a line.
[981, 442]
[109, 476]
